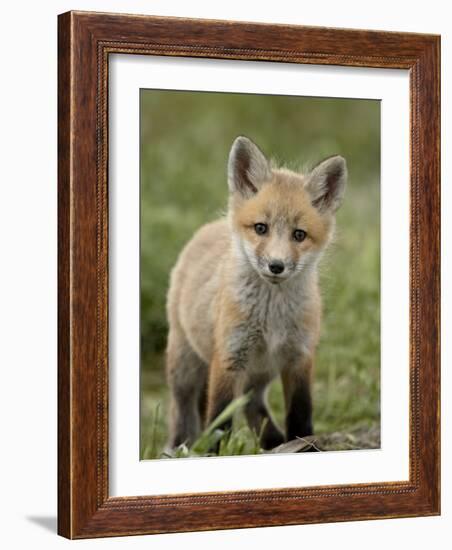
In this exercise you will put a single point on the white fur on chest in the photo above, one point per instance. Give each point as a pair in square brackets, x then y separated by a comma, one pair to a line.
[276, 312]
[279, 317]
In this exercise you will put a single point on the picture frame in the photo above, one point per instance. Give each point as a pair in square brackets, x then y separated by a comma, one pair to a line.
[85, 42]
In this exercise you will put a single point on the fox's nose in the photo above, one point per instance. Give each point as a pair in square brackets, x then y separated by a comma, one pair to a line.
[276, 267]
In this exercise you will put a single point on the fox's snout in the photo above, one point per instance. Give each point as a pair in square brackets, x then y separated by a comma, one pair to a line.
[275, 269]
[276, 266]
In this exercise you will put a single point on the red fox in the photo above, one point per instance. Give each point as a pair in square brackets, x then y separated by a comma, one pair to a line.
[244, 304]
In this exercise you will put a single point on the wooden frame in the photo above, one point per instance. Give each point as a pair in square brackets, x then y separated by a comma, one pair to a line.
[84, 44]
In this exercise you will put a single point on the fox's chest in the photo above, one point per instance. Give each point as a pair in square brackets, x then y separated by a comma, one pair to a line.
[283, 335]
[275, 331]
[277, 314]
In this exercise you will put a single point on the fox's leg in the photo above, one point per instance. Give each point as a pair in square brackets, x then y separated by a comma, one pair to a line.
[257, 412]
[187, 377]
[221, 389]
[225, 384]
[296, 380]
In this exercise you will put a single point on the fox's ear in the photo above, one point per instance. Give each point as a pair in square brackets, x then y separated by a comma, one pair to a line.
[326, 183]
[248, 169]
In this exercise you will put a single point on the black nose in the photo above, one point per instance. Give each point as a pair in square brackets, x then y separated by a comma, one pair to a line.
[276, 267]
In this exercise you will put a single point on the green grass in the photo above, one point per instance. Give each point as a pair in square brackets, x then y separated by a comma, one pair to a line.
[184, 147]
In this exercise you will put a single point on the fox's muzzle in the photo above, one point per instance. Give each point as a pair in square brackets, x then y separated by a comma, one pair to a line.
[276, 267]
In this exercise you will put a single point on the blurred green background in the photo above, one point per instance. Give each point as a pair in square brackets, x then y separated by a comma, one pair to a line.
[185, 142]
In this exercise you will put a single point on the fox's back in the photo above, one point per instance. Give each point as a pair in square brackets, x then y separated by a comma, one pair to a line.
[195, 282]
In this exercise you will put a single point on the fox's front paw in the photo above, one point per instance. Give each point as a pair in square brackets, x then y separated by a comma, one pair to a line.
[272, 437]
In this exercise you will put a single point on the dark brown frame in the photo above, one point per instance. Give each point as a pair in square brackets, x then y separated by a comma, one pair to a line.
[85, 41]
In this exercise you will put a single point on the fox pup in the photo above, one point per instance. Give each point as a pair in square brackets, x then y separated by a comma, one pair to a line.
[244, 304]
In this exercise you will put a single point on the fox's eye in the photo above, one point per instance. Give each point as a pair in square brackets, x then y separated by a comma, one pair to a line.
[261, 228]
[299, 235]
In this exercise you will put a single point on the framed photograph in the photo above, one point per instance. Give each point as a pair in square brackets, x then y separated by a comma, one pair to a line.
[248, 275]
